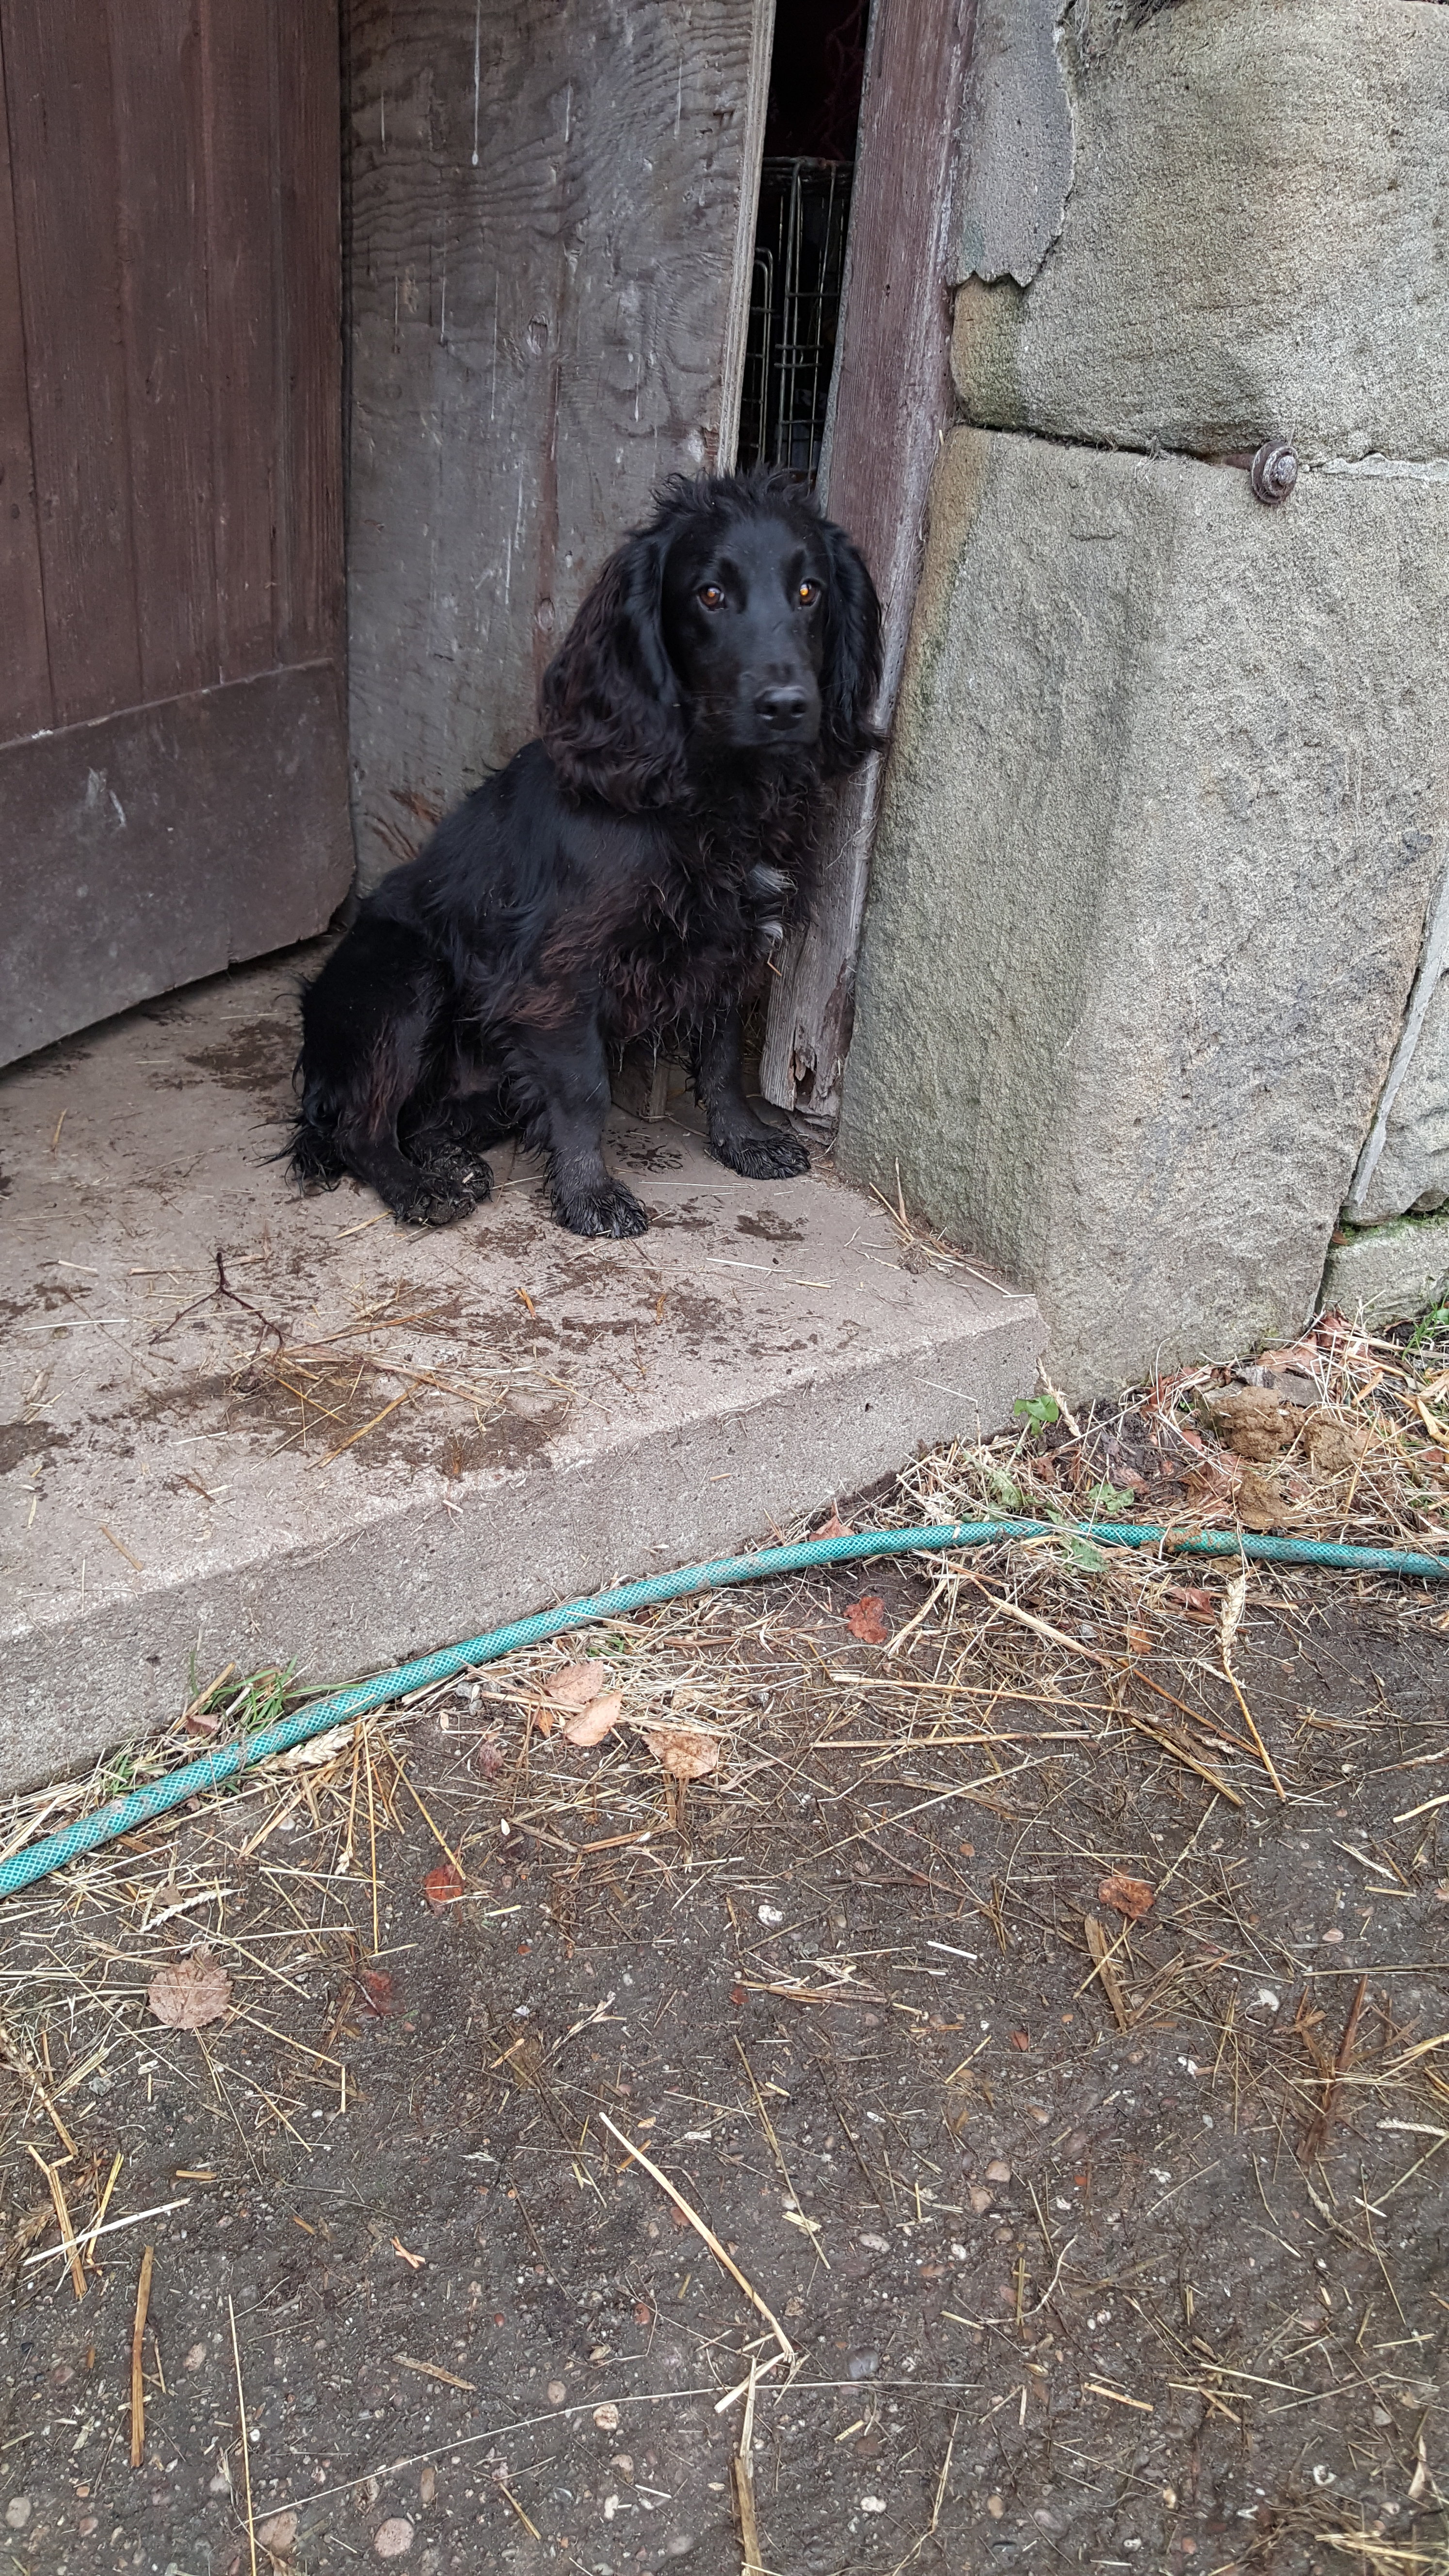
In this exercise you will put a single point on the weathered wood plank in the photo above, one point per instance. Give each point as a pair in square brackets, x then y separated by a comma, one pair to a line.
[25, 699]
[310, 573]
[545, 213]
[167, 843]
[62, 140]
[892, 404]
[240, 121]
[155, 53]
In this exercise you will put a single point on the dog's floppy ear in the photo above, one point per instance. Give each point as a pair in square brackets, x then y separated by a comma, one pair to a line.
[850, 675]
[609, 704]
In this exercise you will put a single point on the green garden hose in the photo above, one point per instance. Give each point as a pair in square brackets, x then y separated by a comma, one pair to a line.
[139, 1807]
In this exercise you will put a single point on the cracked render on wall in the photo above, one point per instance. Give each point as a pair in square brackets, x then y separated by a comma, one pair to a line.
[1164, 829]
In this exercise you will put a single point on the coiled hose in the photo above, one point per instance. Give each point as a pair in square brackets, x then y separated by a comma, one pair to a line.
[122, 1815]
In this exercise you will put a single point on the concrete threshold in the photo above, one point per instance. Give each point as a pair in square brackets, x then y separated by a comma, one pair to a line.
[357, 1442]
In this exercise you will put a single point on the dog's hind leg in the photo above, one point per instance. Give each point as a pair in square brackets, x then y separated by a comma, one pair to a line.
[736, 1135]
[563, 1077]
[368, 1042]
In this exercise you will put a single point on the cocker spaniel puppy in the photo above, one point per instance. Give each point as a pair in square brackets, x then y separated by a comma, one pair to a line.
[624, 876]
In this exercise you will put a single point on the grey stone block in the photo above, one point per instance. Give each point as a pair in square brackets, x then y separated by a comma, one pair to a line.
[1254, 245]
[1160, 830]
[1405, 1163]
[1413, 1169]
[1016, 141]
[1391, 1272]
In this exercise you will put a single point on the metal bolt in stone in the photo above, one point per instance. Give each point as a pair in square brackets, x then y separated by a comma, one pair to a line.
[1273, 473]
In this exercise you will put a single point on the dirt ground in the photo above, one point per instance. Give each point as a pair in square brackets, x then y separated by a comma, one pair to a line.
[1057, 2230]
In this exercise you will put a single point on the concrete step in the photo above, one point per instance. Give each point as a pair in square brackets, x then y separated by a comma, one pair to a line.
[355, 1442]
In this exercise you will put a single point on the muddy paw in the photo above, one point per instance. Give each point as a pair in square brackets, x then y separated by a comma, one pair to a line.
[436, 1202]
[768, 1155]
[602, 1207]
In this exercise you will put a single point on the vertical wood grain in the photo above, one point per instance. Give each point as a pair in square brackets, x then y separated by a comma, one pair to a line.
[545, 205]
[63, 148]
[891, 407]
[239, 123]
[309, 334]
[160, 222]
[169, 358]
[26, 704]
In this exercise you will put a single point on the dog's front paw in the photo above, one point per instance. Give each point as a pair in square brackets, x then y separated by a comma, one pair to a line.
[766, 1154]
[458, 1171]
[449, 1185]
[432, 1203]
[599, 1207]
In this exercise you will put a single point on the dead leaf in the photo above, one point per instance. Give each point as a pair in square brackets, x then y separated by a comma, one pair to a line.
[592, 1724]
[576, 1684]
[442, 1887]
[866, 1619]
[1335, 1448]
[1193, 1601]
[1129, 1896]
[685, 1754]
[961, 2093]
[1020, 2039]
[835, 1527]
[377, 1990]
[1297, 1362]
[189, 1993]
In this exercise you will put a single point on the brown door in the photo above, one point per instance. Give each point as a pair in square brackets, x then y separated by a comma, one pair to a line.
[173, 780]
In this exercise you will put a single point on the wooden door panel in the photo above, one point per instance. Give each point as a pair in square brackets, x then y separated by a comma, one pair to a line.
[552, 214]
[211, 828]
[891, 406]
[160, 217]
[63, 165]
[241, 184]
[25, 696]
[310, 574]
[170, 389]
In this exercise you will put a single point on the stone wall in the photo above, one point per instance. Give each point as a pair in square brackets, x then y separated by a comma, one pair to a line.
[1167, 813]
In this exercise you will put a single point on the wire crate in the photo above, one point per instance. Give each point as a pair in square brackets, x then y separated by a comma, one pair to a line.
[794, 311]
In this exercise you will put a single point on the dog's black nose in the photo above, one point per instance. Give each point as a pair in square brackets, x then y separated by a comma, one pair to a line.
[781, 708]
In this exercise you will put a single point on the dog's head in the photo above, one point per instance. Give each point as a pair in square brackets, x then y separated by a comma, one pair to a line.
[738, 622]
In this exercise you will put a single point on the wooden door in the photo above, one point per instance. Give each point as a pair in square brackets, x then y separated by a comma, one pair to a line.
[552, 222]
[173, 781]
[891, 407]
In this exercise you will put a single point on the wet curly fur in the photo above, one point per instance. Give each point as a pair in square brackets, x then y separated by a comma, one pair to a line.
[624, 876]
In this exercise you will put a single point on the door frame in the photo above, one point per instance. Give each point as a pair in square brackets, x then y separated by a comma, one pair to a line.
[891, 406]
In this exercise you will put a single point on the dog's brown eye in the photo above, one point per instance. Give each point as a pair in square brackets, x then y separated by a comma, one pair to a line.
[808, 593]
[711, 596]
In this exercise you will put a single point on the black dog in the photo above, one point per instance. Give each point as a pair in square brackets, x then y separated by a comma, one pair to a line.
[623, 877]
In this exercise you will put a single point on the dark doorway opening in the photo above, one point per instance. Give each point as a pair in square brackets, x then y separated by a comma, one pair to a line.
[816, 72]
